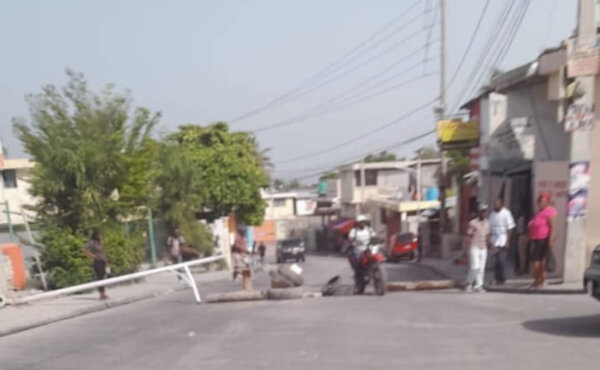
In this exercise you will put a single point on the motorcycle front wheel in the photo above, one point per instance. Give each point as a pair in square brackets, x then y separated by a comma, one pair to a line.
[379, 280]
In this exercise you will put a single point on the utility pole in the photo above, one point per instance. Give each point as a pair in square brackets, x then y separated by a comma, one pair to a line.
[362, 185]
[441, 112]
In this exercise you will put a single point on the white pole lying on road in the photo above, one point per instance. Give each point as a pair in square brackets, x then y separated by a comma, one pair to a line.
[119, 279]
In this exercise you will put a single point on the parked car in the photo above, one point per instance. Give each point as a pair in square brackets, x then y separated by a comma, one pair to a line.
[591, 278]
[404, 247]
[290, 249]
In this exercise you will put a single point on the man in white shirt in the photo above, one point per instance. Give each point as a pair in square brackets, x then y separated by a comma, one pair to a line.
[359, 237]
[501, 223]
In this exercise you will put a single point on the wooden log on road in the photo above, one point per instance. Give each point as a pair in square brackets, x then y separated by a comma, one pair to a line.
[239, 296]
[401, 286]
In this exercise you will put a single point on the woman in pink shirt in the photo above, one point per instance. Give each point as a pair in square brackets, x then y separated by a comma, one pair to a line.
[541, 233]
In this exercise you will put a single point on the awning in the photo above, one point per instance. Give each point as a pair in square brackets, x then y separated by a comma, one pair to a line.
[344, 226]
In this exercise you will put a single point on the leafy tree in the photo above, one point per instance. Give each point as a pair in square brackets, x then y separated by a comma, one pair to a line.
[383, 156]
[428, 153]
[87, 148]
[94, 160]
[209, 168]
[293, 184]
[458, 165]
[330, 175]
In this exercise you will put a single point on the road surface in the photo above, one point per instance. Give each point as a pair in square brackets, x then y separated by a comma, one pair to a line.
[417, 330]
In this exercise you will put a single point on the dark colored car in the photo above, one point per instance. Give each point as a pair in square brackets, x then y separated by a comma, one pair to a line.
[591, 278]
[290, 249]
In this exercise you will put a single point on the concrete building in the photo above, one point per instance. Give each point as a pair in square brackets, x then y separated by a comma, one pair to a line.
[539, 132]
[382, 180]
[14, 190]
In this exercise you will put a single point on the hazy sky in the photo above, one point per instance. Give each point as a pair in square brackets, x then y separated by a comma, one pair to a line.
[203, 61]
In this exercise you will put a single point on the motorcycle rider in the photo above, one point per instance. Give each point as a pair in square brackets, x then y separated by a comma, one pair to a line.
[359, 237]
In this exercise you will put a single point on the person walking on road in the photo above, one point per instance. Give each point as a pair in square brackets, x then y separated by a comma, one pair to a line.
[501, 223]
[542, 235]
[239, 254]
[175, 245]
[478, 241]
[262, 250]
[95, 250]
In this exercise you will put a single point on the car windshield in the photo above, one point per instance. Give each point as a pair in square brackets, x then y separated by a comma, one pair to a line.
[405, 238]
[290, 243]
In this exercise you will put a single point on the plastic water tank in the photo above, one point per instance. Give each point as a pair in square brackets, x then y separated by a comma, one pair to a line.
[432, 193]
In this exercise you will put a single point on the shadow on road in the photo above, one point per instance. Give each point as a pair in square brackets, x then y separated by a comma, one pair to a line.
[581, 326]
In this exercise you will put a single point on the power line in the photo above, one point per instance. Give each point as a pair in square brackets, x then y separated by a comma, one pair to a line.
[360, 137]
[359, 66]
[347, 102]
[327, 69]
[325, 169]
[506, 43]
[480, 64]
[469, 45]
[316, 110]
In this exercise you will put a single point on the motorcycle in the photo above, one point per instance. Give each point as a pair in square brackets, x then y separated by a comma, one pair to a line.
[368, 269]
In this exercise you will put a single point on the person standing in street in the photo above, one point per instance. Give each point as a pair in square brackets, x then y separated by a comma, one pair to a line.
[175, 245]
[239, 254]
[261, 253]
[501, 223]
[542, 235]
[95, 250]
[478, 241]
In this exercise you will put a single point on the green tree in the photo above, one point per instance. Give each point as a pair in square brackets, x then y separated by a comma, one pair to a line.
[383, 156]
[210, 169]
[428, 152]
[330, 175]
[87, 148]
[94, 157]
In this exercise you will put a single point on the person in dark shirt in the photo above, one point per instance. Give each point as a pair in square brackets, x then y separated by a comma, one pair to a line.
[261, 253]
[95, 250]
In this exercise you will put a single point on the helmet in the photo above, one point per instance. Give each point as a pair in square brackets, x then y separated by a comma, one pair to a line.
[361, 218]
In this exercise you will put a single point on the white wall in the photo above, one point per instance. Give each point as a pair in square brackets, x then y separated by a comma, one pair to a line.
[347, 186]
[279, 211]
[17, 198]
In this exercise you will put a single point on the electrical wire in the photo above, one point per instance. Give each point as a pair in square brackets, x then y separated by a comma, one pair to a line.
[360, 137]
[469, 45]
[327, 70]
[485, 53]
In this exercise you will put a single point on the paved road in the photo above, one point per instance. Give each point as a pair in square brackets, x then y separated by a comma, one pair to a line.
[425, 330]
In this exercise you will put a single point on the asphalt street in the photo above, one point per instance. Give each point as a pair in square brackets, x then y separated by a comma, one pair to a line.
[425, 330]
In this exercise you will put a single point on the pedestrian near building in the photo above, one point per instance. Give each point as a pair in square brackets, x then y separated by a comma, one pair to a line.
[95, 250]
[542, 235]
[239, 254]
[478, 241]
[501, 223]
[262, 250]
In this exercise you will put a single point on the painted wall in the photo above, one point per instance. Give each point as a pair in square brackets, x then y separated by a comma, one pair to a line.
[279, 208]
[17, 197]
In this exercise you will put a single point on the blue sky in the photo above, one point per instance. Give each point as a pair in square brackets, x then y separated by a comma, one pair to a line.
[203, 61]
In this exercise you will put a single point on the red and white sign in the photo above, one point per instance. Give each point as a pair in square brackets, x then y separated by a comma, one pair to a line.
[474, 159]
[579, 116]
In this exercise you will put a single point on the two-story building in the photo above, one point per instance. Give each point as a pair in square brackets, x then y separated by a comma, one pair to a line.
[14, 193]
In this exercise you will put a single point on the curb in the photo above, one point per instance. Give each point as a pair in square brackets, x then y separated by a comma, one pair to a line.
[518, 290]
[420, 285]
[84, 311]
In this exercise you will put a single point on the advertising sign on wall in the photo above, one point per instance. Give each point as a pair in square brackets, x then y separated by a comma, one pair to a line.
[579, 173]
[456, 134]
